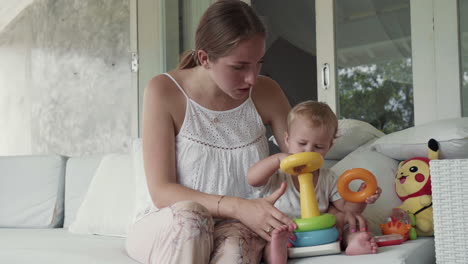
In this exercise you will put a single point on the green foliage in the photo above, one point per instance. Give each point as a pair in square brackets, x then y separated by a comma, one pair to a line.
[381, 94]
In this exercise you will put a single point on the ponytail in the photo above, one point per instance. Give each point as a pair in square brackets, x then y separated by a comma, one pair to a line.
[187, 60]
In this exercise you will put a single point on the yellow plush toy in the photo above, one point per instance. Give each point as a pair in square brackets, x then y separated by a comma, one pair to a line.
[413, 187]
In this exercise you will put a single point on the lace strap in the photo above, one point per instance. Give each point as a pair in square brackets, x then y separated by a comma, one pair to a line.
[177, 84]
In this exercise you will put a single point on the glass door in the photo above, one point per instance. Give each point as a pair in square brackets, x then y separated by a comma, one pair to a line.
[463, 18]
[290, 57]
[370, 75]
[392, 63]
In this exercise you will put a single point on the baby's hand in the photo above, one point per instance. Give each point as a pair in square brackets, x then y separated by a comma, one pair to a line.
[371, 199]
[282, 156]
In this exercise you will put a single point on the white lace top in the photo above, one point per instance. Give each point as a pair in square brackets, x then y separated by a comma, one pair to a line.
[214, 149]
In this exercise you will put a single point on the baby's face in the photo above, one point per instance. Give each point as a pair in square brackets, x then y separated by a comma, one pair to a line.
[304, 137]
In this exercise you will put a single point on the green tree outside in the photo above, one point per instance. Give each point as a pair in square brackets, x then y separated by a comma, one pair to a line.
[381, 94]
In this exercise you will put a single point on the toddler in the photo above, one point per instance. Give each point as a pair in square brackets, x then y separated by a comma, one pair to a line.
[312, 127]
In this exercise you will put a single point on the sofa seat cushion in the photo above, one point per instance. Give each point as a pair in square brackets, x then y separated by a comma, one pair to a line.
[58, 246]
[411, 252]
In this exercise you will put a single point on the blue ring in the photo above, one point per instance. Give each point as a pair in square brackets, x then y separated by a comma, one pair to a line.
[315, 238]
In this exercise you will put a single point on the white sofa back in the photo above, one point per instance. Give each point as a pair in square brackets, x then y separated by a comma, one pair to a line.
[32, 191]
[79, 173]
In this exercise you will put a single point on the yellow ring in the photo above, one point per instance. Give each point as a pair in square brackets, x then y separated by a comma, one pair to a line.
[353, 174]
[315, 223]
[311, 160]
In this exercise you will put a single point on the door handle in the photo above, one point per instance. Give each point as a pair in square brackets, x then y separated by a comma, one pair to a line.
[325, 76]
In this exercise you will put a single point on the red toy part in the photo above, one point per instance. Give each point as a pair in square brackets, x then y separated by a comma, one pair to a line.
[389, 240]
[399, 223]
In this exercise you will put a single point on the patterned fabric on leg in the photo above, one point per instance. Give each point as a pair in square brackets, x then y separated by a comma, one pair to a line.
[181, 233]
[236, 243]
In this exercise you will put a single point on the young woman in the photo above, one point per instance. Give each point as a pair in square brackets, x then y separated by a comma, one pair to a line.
[203, 127]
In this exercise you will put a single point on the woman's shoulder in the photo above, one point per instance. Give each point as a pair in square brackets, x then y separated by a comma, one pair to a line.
[265, 85]
[159, 83]
[266, 91]
[269, 98]
[162, 94]
[161, 87]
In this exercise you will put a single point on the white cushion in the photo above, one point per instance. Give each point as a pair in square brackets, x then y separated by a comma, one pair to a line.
[80, 172]
[452, 135]
[108, 206]
[419, 251]
[31, 191]
[351, 135]
[57, 246]
[384, 169]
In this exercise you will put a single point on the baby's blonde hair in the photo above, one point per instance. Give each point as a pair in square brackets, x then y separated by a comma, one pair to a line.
[317, 113]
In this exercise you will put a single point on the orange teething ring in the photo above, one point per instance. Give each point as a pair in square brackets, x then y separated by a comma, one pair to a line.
[356, 174]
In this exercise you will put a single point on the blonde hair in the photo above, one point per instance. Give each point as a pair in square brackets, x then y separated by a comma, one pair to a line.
[317, 113]
[223, 25]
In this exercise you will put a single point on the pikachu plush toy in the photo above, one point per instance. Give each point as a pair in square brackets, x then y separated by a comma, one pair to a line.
[413, 187]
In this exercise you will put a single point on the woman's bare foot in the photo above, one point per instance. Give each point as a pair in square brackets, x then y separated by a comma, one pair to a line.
[361, 243]
[279, 245]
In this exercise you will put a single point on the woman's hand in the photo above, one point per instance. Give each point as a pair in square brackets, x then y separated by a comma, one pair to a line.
[261, 216]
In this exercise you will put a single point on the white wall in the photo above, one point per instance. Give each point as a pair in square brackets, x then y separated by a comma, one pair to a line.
[15, 104]
[10, 9]
[65, 80]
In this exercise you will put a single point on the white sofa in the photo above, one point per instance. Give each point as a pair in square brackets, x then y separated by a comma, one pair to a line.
[42, 196]
[46, 240]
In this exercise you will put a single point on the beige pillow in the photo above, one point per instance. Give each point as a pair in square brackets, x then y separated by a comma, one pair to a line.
[351, 135]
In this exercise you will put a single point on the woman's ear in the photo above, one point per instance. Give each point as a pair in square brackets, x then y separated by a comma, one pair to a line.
[203, 58]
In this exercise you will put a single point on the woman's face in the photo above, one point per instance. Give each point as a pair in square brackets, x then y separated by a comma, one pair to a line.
[237, 72]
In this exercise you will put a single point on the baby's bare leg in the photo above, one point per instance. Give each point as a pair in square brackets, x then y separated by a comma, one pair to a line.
[276, 252]
[355, 243]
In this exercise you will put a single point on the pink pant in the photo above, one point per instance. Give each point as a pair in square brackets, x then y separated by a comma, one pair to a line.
[185, 233]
